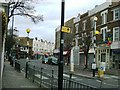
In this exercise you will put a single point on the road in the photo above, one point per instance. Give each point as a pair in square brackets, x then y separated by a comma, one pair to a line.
[107, 83]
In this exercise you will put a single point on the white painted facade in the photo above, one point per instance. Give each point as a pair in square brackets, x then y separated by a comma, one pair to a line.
[42, 46]
[99, 8]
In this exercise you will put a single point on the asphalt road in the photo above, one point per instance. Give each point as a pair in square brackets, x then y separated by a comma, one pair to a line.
[107, 83]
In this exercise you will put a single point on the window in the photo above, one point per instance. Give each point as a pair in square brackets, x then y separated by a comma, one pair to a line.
[104, 33]
[116, 14]
[92, 22]
[104, 17]
[84, 25]
[116, 34]
[77, 27]
[103, 57]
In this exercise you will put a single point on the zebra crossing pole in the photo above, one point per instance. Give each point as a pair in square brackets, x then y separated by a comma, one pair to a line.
[94, 42]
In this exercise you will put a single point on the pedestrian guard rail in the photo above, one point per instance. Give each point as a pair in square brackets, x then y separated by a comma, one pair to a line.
[43, 79]
[40, 76]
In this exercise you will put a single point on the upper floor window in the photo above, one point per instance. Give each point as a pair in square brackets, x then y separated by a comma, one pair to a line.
[92, 22]
[104, 33]
[77, 27]
[116, 34]
[84, 25]
[104, 17]
[116, 14]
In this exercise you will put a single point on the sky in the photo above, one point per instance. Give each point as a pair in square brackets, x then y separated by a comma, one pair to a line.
[51, 11]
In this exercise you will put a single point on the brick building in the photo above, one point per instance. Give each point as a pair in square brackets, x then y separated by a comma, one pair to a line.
[107, 41]
[108, 24]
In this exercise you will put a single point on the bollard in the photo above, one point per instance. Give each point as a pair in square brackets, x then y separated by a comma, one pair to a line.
[93, 68]
[33, 73]
[70, 80]
[93, 72]
[52, 79]
[41, 77]
[26, 69]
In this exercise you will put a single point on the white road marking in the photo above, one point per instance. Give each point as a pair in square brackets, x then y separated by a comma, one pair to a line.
[28, 86]
[38, 75]
[68, 76]
[98, 80]
[115, 77]
[110, 84]
[106, 83]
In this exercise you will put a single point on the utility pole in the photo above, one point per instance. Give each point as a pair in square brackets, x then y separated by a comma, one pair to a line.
[60, 66]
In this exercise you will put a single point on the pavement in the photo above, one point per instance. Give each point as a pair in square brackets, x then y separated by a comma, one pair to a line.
[13, 79]
[80, 71]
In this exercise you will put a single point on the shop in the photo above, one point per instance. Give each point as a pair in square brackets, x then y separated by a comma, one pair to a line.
[116, 58]
[103, 56]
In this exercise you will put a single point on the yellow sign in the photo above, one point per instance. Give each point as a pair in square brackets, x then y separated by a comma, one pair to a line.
[65, 29]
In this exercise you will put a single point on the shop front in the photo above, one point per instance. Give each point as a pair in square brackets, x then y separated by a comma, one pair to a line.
[103, 56]
[116, 58]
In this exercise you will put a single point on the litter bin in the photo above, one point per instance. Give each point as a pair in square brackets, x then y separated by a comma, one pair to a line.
[100, 73]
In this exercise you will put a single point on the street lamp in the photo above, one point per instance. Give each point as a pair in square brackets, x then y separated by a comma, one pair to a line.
[28, 31]
[94, 42]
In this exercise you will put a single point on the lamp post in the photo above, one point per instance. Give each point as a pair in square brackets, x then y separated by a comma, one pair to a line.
[28, 31]
[60, 64]
[94, 42]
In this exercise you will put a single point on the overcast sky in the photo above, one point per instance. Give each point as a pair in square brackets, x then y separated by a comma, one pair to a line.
[51, 10]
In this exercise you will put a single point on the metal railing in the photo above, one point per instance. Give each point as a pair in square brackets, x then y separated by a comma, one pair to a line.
[44, 79]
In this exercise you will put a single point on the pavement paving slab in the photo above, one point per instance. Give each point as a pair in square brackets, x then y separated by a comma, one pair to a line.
[14, 79]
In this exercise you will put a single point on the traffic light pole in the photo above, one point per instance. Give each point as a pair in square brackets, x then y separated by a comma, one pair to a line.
[60, 65]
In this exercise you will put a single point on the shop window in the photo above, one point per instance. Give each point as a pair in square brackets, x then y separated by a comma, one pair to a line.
[99, 58]
[113, 58]
[103, 57]
[113, 65]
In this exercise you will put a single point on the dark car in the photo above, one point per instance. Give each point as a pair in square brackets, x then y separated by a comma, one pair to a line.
[52, 60]
[45, 61]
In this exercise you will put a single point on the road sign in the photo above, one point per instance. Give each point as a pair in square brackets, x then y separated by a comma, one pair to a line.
[65, 29]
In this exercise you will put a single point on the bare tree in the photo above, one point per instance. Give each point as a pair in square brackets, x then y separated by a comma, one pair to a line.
[23, 8]
[86, 46]
[85, 40]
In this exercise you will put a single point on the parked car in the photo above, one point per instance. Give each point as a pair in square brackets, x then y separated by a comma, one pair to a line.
[45, 61]
[52, 60]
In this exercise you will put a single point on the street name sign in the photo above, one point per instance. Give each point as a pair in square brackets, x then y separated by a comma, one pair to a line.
[65, 29]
